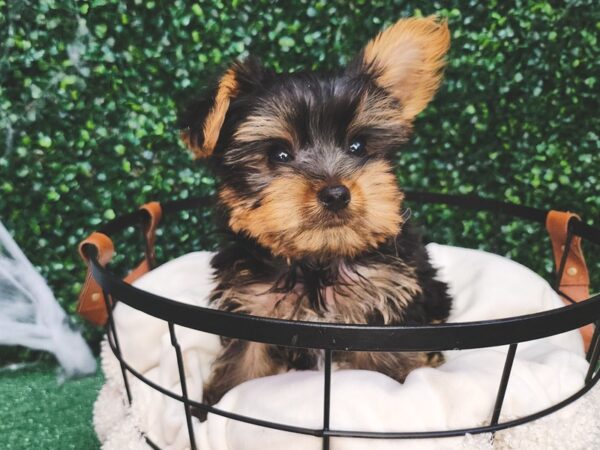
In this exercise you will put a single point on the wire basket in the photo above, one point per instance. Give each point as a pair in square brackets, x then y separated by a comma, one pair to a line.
[330, 337]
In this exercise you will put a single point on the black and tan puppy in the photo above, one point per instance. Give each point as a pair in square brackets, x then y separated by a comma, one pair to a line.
[305, 169]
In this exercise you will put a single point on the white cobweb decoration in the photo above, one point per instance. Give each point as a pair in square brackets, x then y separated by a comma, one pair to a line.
[30, 315]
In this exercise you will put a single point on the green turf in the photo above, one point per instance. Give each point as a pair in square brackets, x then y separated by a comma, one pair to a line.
[38, 412]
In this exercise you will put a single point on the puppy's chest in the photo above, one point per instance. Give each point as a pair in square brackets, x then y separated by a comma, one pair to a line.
[377, 293]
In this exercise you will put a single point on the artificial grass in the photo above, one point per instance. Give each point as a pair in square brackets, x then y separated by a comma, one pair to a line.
[39, 412]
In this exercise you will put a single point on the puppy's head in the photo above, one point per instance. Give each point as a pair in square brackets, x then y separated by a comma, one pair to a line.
[304, 161]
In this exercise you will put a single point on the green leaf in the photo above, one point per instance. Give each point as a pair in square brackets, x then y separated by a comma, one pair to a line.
[109, 214]
[45, 142]
[286, 43]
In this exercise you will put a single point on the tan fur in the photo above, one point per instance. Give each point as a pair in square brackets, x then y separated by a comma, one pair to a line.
[269, 124]
[239, 361]
[288, 220]
[388, 288]
[408, 58]
[375, 111]
[211, 129]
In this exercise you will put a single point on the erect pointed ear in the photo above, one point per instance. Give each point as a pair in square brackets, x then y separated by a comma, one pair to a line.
[203, 120]
[407, 60]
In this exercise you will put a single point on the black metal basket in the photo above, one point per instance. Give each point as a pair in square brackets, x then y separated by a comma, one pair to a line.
[330, 337]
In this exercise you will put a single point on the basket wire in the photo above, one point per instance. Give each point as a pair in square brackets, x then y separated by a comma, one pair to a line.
[579, 314]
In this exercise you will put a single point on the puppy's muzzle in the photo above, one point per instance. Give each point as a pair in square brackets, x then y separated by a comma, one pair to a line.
[334, 198]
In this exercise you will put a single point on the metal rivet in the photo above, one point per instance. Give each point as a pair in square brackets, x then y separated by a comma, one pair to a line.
[572, 271]
[96, 297]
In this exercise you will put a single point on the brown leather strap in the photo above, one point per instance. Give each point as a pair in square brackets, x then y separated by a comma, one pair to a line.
[91, 305]
[154, 211]
[575, 280]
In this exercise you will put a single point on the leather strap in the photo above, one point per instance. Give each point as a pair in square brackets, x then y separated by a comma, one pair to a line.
[575, 279]
[154, 211]
[92, 305]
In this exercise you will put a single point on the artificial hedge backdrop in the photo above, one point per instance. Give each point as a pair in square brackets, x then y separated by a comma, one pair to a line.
[90, 92]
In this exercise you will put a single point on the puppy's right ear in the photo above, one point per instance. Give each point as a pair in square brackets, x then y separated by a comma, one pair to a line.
[407, 60]
[202, 122]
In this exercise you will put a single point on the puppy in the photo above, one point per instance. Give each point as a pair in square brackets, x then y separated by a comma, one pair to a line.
[305, 171]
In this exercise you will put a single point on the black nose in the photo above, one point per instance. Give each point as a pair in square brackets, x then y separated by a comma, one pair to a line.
[335, 198]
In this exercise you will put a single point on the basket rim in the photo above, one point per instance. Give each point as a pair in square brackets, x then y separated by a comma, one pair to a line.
[353, 337]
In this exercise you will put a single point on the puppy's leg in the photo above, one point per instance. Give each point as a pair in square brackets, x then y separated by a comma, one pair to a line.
[239, 361]
[395, 365]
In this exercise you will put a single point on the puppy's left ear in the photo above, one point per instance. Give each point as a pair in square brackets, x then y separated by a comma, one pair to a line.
[407, 59]
[203, 120]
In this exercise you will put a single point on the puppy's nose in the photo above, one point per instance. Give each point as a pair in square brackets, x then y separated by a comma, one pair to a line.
[335, 198]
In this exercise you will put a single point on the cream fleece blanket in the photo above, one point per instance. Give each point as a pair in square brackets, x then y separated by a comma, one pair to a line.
[458, 394]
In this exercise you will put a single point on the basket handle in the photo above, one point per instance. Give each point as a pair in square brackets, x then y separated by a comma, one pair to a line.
[91, 305]
[573, 280]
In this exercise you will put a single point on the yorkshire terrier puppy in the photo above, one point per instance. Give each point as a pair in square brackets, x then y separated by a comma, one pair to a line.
[305, 172]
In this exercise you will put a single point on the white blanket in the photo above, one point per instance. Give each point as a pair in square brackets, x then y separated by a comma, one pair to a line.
[458, 394]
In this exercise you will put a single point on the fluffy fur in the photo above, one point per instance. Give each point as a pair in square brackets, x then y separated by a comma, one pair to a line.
[305, 170]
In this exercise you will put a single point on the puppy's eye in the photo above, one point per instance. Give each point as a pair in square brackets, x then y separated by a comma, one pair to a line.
[280, 154]
[358, 146]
